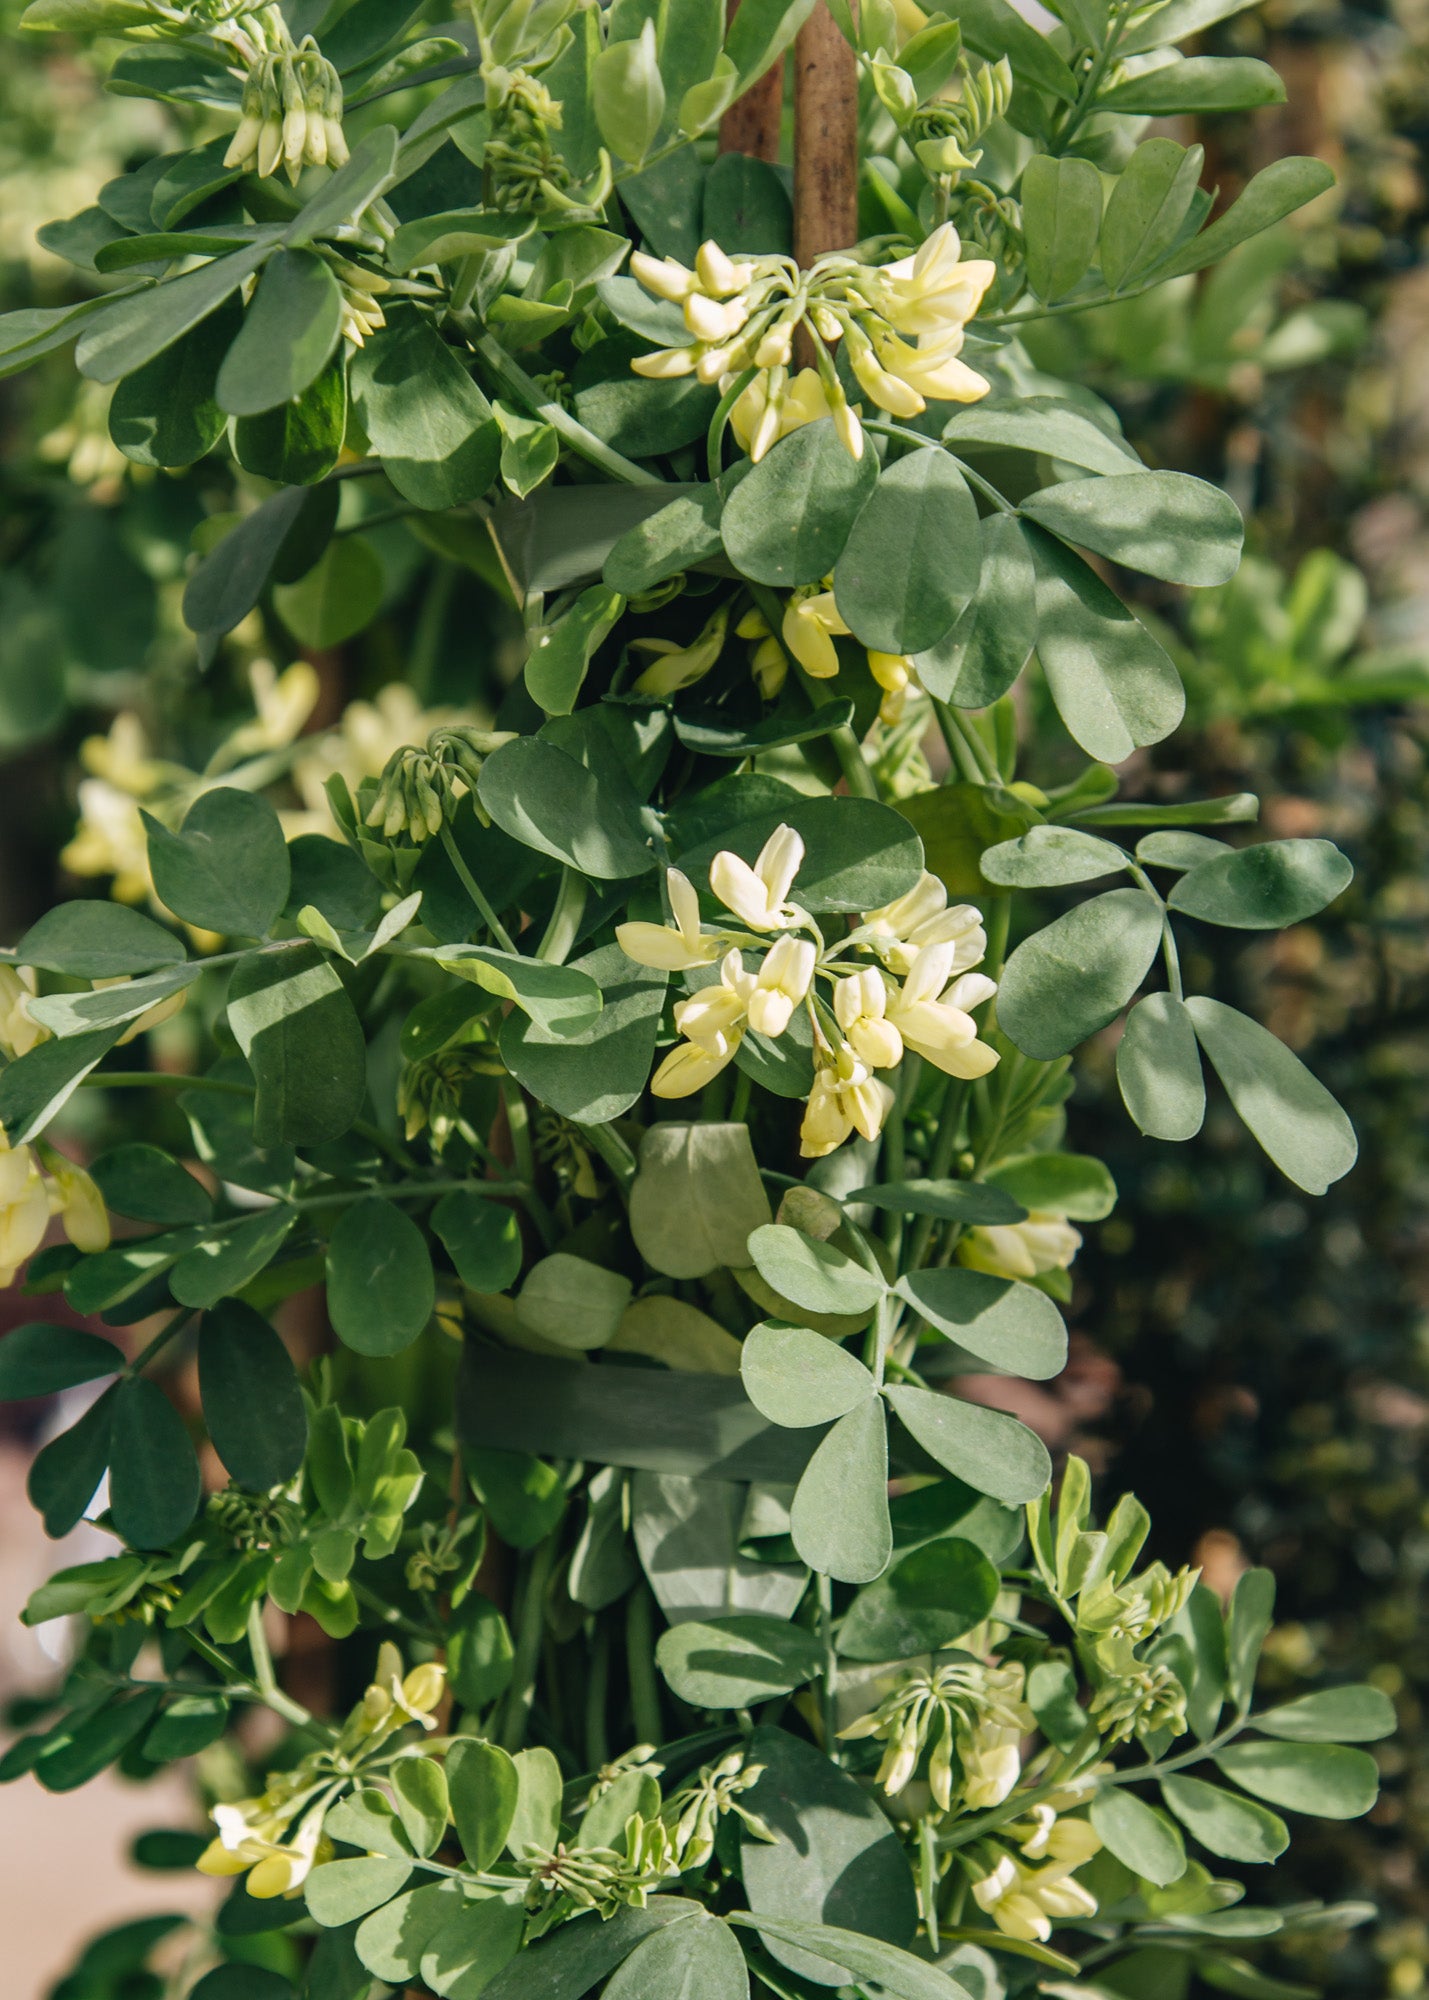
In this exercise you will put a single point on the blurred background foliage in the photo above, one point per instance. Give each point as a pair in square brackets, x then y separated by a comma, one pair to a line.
[1255, 1368]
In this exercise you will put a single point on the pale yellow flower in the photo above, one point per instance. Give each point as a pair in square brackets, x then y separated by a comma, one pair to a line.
[713, 1021]
[18, 1032]
[812, 621]
[75, 1199]
[932, 1015]
[846, 1098]
[861, 1009]
[775, 404]
[283, 701]
[675, 667]
[759, 896]
[901, 929]
[781, 984]
[110, 840]
[677, 948]
[24, 1209]
[1043, 1241]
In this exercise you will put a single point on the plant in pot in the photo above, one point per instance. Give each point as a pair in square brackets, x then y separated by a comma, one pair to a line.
[662, 1056]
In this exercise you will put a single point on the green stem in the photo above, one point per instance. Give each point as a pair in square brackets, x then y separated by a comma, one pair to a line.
[473, 889]
[614, 1151]
[829, 1679]
[597, 1691]
[516, 1711]
[161, 1079]
[244, 1689]
[161, 1340]
[510, 376]
[518, 1120]
[563, 929]
[640, 1664]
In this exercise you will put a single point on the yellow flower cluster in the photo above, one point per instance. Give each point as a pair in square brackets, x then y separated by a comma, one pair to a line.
[36, 1183]
[277, 1838]
[902, 326]
[1024, 1891]
[913, 989]
[291, 114]
[968, 1718]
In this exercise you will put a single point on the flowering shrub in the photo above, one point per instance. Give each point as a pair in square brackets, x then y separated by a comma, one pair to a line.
[783, 535]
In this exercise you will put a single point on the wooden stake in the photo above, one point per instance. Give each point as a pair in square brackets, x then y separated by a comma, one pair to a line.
[752, 123]
[825, 139]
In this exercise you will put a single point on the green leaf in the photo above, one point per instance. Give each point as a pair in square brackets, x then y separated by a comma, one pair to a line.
[1140, 1837]
[1061, 216]
[858, 854]
[1148, 206]
[1072, 1184]
[380, 1287]
[980, 658]
[166, 413]
[300, 441]
[681, 535]
[226, 869]
[480, 1656]
[927, 1600]
[231, 578]
[42, 1360]
[912, 560]
[480, 1939]
[970, 1202]
[1275, 192]
[985, 1448]
[1248, 1620]
[561, 653]
[423, 414]
[391, 1941]
[292, 1019]
[563, 1001]
[421, 1789]
[1166, 524]
[482, 1239]
[69, 1014]
[1178, 850]
[65, 1473]
[1224, 1823]
[1233, 808]
[1047, 856]
[98, 941]
[367, 173]
[341, 1891]
[575, 1958]
[1043, 424]
[697, 1198]
[897, 1974]
[599, 1071]
[1264, 888]
[154, 1485]
[787, 520]
[483, 1783]
[629, 95]
[1115, 687]
[1070, 980]
[230, 1259]
[746, 207]
[1326, 1779]
[287, 338]
[1158, 1069]
[736, 1662]
[757, 40]
[188, 1724]
[1290, 1112]
[33, 1088]
[144, 1182]
[834, 1857]
[572, 1302]
[1356, 1714]
[537, 1819]
[698, 1960]
[244, 1982]
[813, 1275]
[523, 1496]
[1196, 83]
[1012, 1327]
[839, 1518]
[992, 28]
[252, 1405]
[548, 800]
[339, 594]
[87, 1747]
[131, 331]
[798, 1378]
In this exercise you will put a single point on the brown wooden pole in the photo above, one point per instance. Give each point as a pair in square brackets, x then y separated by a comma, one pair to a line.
[753, 122]
[825, 139]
